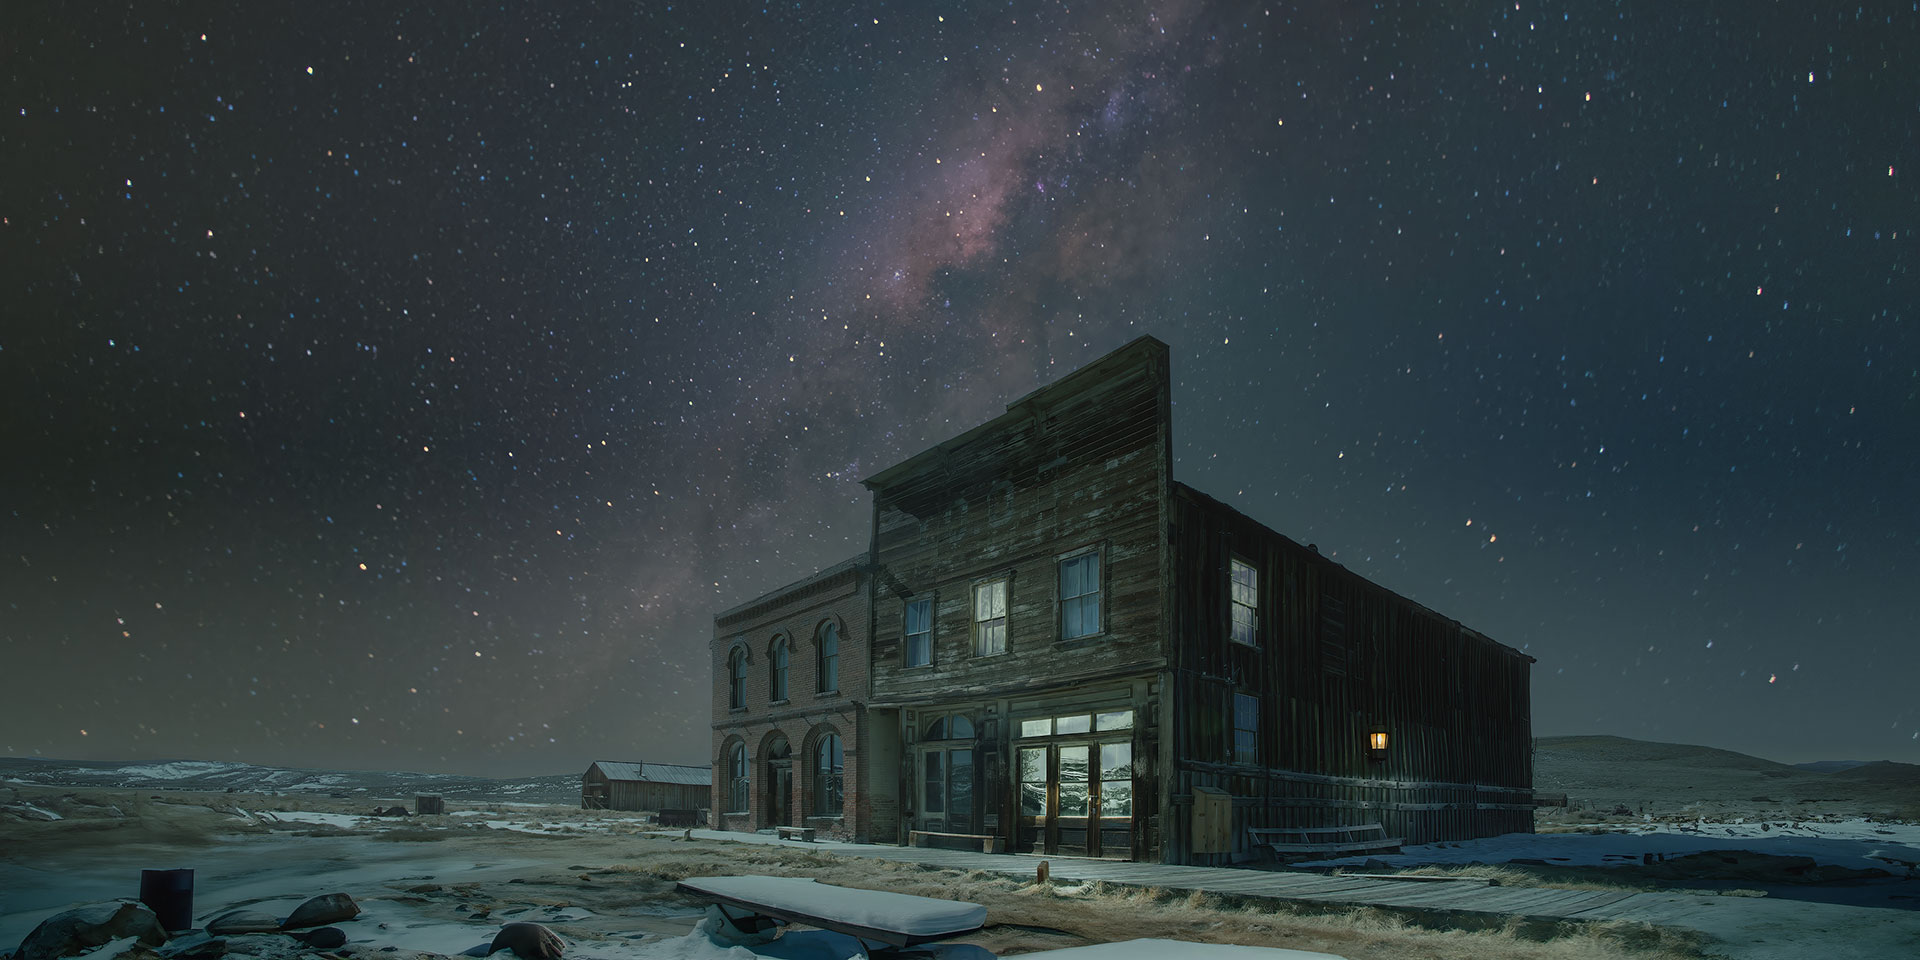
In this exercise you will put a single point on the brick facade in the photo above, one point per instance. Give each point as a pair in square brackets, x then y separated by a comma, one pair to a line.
[798, 616]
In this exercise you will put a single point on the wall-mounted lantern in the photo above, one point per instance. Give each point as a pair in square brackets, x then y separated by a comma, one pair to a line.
[1377, 744]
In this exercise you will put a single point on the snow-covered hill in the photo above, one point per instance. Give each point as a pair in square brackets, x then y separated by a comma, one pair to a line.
[218, 775]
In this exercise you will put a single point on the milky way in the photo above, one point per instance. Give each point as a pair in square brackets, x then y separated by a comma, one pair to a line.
[408, 389]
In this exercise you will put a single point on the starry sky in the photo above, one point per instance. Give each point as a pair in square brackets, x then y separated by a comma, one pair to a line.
[405, 387]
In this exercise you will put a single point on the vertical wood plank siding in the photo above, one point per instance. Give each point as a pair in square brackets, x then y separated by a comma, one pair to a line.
[1337, 655]
[1085, 463]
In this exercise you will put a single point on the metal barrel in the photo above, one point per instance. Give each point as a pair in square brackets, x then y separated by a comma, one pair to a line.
[170, 894]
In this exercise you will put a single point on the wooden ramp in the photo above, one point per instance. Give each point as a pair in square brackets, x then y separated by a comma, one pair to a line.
[1175, 950]
[1751, 928]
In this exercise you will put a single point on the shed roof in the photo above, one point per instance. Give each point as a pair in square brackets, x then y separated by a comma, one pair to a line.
[655, 772]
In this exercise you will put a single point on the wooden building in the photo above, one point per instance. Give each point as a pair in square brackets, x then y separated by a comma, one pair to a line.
[624, 785]
[1068, 647]
[789, 736]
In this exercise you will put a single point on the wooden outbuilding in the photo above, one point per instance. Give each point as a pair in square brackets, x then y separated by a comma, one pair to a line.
[638, 785]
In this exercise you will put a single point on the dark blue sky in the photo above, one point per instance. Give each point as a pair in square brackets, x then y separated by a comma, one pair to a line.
[406, 387]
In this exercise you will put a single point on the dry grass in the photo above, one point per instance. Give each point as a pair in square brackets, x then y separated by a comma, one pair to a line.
[1620, 879]
[1025, 916]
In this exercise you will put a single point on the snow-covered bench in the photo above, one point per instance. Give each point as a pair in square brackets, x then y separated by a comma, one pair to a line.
[1295, 843]
[895, 919]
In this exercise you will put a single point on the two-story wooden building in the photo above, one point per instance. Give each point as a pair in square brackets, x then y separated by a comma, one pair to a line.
[1067, 646]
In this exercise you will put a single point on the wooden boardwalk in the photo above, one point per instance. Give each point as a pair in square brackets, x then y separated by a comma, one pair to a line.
[1748, 928]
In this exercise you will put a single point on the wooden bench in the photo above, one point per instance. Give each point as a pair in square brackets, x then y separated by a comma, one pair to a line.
[1316, 843]
[796, 833]
[988, 843]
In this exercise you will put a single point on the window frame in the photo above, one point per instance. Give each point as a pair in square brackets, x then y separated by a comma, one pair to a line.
[739, 777]
[780, 669]
[737, 677]
[1005, 583]
[906, 634]
[1234, 604]
[1251, 755]
[826, 665]
[1098, 552]
[828, 776]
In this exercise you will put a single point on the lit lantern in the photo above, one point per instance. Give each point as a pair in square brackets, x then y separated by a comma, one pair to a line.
[1377, 744]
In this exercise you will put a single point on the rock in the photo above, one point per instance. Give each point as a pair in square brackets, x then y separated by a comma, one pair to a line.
[530, 941]
[322, 910]
[325, 938]
[83, 928]
[243, 921]
[395, 811]
[194, 946]
[125, 948]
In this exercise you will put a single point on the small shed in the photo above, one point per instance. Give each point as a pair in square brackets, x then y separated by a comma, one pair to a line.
[637, 785]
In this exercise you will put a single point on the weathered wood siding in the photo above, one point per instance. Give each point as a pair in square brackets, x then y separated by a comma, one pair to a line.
[1337, 656]
[639, 795]
[1084, 463]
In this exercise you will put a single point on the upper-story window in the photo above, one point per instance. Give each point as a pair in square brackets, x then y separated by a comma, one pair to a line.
[1246, 602]
[782, 658]
[1080, 596]
[918, 631]
[737, 678]
[990, 618]
[829, 647]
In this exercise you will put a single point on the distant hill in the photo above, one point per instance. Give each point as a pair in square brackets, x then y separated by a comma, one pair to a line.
[1675, 778]
[1883, 772]
[1830, 766]
[217, 775]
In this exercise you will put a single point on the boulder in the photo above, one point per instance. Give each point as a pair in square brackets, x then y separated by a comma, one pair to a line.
[322, 910]
[83, 928]
[325, 938]
[530, 941]
[243, 921]
[194, 946]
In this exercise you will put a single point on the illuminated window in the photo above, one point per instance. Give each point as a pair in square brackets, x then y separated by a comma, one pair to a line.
[990, 618]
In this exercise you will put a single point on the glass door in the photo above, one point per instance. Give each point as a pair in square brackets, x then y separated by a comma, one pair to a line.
[1076, 785]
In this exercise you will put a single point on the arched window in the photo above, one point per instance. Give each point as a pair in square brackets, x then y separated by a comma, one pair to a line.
[829, 646]
[954, 727]
[779, 658]
[828, 765]
[737, 778]
[737, 678]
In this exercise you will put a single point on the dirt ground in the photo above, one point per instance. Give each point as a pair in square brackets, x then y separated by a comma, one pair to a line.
[438, 885]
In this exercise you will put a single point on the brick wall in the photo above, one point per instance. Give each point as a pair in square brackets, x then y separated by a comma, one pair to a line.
[796, 613]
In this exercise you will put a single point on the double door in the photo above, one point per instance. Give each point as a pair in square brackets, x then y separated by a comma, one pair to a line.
[1076, 798]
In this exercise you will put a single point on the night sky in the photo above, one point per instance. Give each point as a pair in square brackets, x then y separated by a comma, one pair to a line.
[388, 386]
